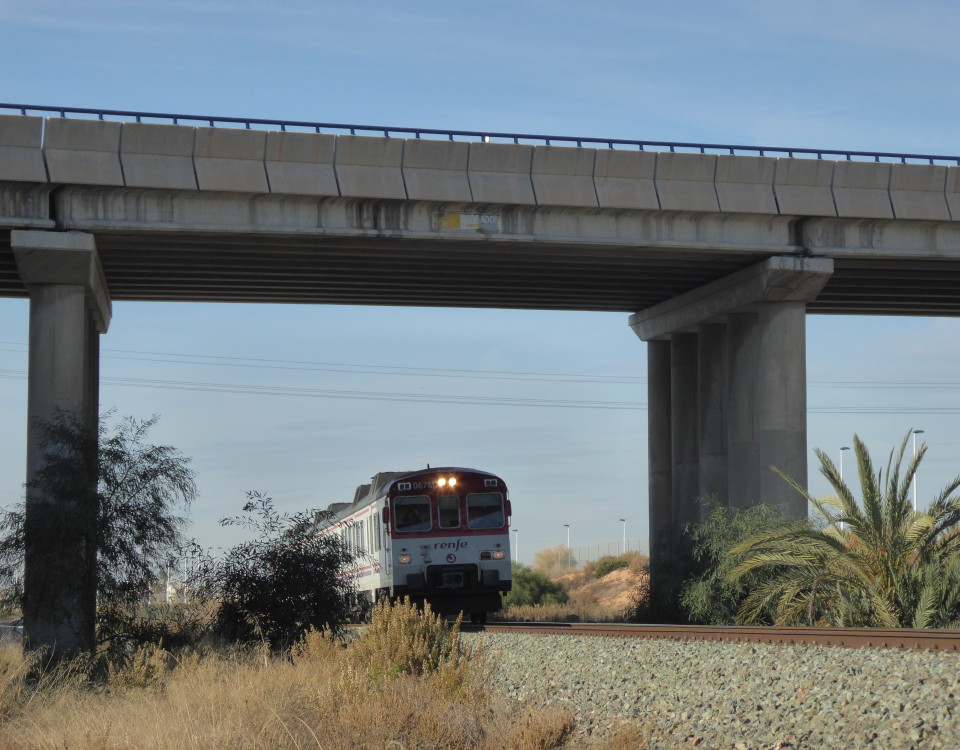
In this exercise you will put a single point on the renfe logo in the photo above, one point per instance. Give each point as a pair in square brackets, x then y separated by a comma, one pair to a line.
[459, 544]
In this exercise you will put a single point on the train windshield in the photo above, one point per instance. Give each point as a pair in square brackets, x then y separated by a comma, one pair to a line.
[448, 508]
[412, 513]
[485, 510]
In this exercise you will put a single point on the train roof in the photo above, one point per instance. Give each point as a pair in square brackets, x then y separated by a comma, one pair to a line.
[380, 482]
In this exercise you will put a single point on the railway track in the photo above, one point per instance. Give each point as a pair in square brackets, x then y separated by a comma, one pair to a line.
[930, 640]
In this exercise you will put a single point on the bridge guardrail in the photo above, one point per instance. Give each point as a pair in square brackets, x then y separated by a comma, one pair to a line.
[483, 135]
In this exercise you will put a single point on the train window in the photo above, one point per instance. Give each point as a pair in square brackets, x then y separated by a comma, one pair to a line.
[448, 507]
[485, 510]
[376, 531]
[412, 513]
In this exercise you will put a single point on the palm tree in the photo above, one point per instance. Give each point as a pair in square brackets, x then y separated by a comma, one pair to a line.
[877, 563]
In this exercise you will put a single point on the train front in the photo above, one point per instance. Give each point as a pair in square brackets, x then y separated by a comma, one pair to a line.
[450, 544]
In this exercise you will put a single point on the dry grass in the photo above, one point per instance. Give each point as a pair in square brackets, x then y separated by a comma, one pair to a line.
[613, 598]
[407, 683]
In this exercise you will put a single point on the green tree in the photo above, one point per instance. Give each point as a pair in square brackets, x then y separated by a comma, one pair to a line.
[287, 580]
[531, 587]
[710, 597]
[138, 494]
[874, 563]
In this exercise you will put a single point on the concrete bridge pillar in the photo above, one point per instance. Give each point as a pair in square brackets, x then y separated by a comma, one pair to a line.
[69, 309]
[733, 402]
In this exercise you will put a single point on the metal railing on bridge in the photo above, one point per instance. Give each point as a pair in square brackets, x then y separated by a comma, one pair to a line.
[486, 136]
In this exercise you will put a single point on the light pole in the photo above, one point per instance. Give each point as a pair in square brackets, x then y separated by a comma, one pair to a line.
[516, 546]
[568, 545]
[624, 522]
[915, 433]
[844, 448]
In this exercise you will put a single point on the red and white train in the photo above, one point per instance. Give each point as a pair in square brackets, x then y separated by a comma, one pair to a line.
[436, 535]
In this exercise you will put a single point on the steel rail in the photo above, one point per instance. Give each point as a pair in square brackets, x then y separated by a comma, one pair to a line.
[485, 135]
[896, 638]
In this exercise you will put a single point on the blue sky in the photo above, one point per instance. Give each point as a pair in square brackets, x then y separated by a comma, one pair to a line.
[864, 75]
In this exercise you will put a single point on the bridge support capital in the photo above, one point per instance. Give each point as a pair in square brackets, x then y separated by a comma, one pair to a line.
[777, 279]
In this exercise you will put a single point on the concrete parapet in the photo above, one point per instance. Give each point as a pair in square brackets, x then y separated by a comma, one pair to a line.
[804, 187]
[563, 176]
[436, 170]
[21, 152]
[861, 190]
[625, 179]
[500, 173]
[370, 167]
[157, 156]
[86, 152]
[917, 191]
[952, 191]
[685, 182]
[745, 184]
[301, 163]
[230, 159]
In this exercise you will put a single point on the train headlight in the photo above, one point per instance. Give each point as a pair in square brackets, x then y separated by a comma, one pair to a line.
[499, 554]
[404, 559]
[452, 481]
[442, 482]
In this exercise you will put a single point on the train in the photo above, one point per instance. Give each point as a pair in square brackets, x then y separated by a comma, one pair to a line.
[438, 535]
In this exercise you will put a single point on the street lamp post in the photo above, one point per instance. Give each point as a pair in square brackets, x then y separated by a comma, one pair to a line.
[568, 545]
[915, 433]
[516, 546]
[624, 522]
[844, 448]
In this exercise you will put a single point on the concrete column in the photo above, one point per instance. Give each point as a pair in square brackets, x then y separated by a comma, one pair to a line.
[659, 463]
[743, 478]
[782, 403]
[683, 431]
[712, 401]
[69, 307]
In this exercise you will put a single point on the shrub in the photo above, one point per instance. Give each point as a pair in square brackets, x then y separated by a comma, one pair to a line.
[405, 640]
[606, 565]
[284, 582]
[531, 587]
[710, 597]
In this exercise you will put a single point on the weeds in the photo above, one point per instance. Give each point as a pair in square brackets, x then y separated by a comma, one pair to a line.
[406, 682]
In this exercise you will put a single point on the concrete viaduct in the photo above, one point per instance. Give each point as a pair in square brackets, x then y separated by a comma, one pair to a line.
[716, 254]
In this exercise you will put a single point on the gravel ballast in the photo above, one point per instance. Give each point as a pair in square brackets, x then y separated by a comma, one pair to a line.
[723, 695]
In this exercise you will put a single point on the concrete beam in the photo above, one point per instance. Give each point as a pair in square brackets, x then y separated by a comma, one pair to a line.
[777, 279]
[301, 163]
[63, 258]
[26, 204]
[21, 152]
